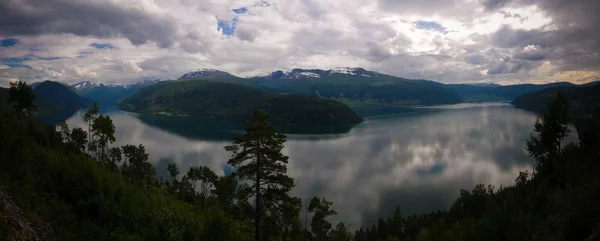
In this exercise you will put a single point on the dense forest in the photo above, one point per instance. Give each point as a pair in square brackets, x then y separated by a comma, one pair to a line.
[208, 98]
[72, 184]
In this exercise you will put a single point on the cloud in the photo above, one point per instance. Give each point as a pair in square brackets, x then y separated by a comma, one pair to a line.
[246, 33]
[531, 52]
[130, 67]
[476, 59]
[494, 4]
[444, 40]
[86, 18]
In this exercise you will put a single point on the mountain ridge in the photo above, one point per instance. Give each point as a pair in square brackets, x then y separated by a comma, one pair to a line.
[206, 98]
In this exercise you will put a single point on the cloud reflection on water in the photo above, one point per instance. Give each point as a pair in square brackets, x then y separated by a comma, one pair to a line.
[418, 161]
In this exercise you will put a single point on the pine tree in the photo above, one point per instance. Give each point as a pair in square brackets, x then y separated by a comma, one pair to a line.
[22, 95]
[90, 116]
[319, 224]
[104, 129]
[257, 156]
[546, 145]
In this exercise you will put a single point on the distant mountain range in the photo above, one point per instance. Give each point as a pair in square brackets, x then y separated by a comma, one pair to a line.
[352, 86]
[108, 95]
[365, 92]
[370, 92]
[483, 93]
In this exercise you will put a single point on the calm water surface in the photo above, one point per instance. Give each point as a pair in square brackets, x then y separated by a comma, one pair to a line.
[418, 161]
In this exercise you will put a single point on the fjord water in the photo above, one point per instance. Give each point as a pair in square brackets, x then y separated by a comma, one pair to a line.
[418, 161]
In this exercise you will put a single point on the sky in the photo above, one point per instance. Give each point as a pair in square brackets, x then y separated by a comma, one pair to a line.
[449, 41]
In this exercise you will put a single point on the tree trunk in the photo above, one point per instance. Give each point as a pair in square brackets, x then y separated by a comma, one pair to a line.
[257, 208]
[89, 137]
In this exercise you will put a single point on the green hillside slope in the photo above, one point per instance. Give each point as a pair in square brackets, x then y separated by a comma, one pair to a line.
[233, 101]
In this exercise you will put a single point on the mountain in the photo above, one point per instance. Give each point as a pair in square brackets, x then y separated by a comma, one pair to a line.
[108, 95]
[55, 101]
[584, 100]
[482, 93]
[233, 101]
[357, 86]
[220, 76]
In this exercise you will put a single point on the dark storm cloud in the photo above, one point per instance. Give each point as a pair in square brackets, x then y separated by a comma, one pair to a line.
[510, 66]
[493, 4]
[84, 18]
[476, 59]
[533, 53]
[572, 44]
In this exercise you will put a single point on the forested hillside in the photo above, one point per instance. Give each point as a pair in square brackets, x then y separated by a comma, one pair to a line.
[583, 100]
[483, 93]
[68, 185]
[233, 101]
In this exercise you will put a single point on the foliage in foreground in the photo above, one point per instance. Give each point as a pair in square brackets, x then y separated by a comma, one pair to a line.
[52, 188]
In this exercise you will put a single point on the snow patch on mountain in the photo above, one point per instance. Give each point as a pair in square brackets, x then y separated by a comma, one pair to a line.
[203, 72]
[90, 84]
[344, 70]
[309, 74]
[317, 73]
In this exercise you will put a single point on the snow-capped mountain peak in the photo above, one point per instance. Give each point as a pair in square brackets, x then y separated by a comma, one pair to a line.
[86, 84]
[147, 82]
[318, 73]
[353, 71]
[203, 72]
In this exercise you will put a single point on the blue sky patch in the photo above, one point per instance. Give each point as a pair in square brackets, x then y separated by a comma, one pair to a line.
[49, 58]
[433, 170]
[228, 29]
[15, 62]
[103, 46]
[239, 10]
[430, 25]
[82, 54]
[9, 42]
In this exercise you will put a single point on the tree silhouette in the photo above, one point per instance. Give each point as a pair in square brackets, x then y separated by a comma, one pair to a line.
[257, 156]
[321, 209]
[22, 96]
[114, 156]
[78, 138]
[225, 191]
[206, 177]
[139, 169]
[546, 144]
[89, 116]
[104, 129]
[341, 233]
